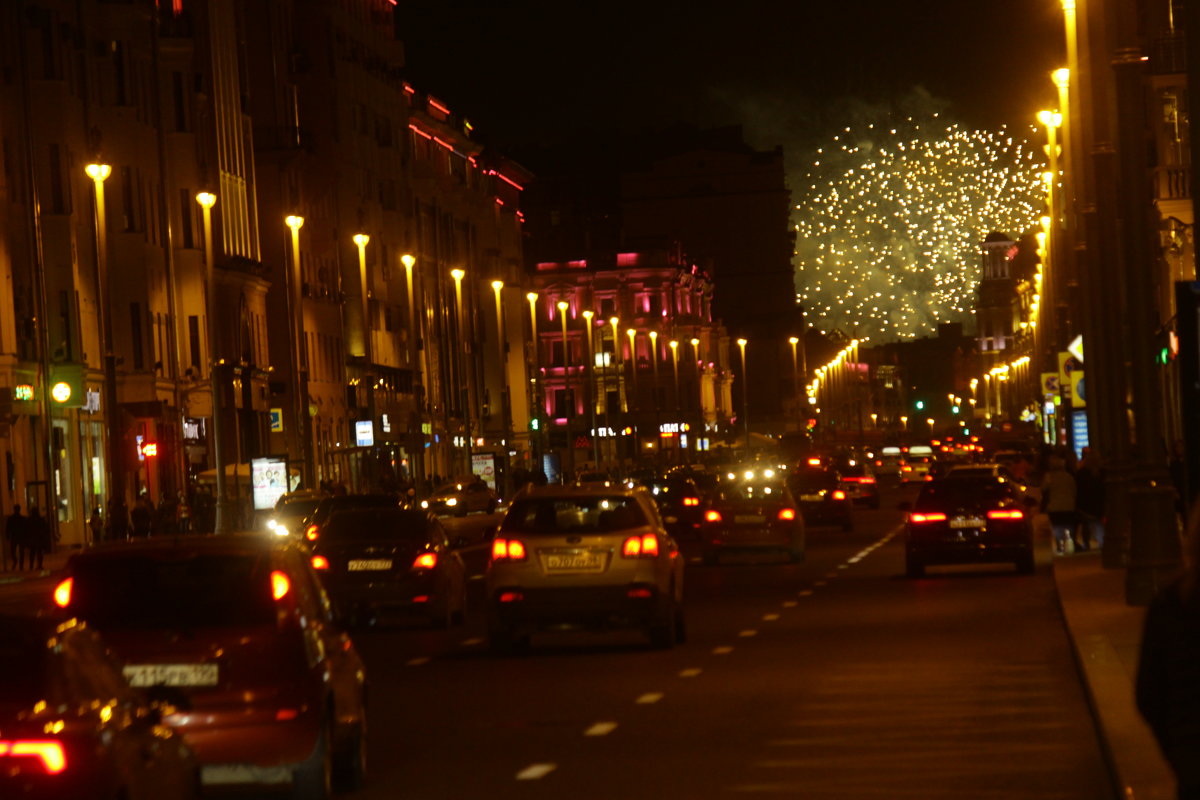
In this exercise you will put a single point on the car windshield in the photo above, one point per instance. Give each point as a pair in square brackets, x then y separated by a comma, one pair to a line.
[174, 590]
[754, 490]
[963, 491]
[558, 515]
[375, 524]
[296, 509]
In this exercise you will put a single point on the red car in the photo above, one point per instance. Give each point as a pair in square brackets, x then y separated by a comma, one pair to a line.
[237, 632]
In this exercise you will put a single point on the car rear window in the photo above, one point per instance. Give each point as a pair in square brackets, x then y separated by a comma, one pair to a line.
[962, 491]
[174, 590]
[558, 515]
[374, 524]
[754, 490]
[298, 508]
[854, 471]
[813, 480]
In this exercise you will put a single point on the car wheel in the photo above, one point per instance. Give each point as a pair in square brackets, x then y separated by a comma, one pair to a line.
[1025, 564]
[505, 641]
[663, 632]
[313, 780]
[443, 617]
[351, 766]
[680, 627]
[914, 567]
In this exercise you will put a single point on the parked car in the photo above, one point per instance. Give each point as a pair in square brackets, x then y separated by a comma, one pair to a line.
[315, 522]
[460, 499]
[71, 726]
[970, 519]
[391, 559]
[579, 557]
[859, 482]
[822, 499]
[291, 510]
[753, 514]
[270, 691]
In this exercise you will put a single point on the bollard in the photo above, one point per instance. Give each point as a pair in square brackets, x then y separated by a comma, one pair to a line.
[1155, 554]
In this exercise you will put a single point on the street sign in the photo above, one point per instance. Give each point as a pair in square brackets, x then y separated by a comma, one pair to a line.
[276, 420]
[1050, 384]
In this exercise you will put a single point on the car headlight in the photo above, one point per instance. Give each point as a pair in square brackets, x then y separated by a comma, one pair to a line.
[424, 504]
[451, 501]
[280, 530]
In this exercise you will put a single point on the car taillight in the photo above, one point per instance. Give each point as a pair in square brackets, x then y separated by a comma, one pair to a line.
[712, 516]
[508, 550]
[1006, 513]
[62, 593]
[786, 514]
[320, 563]
[838, 494]
[48, 753]
[926, 516]
[312, 532]
[425, 561]
[643, 546]
[906, 469]
[814, 462]
[866, 479]
[691, 501]
[280, 585]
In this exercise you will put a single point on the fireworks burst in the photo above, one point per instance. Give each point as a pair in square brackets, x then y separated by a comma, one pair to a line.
[891, 220]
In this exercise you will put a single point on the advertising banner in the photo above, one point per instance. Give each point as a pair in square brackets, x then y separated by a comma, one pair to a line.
[269, 479]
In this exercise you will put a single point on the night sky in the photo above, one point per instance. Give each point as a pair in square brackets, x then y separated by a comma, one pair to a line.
[553, 72]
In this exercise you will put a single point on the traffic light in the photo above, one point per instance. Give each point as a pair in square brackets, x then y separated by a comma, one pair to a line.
[535, 424]
[67, 388]
[954, 409]
[1166, 346]
[919, 405]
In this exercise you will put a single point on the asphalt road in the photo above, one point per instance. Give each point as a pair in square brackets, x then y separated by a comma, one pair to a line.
[834, 678]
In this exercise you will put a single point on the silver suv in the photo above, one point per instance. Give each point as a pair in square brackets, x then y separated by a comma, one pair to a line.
[583, 557]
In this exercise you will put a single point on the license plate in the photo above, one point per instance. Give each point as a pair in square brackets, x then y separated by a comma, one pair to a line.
[749, 519]
[573, 562]
[369, 564]
[967, 522]
[141, 675]
[810, 498]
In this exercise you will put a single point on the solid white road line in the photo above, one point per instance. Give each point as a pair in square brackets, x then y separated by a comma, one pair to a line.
[747, 633]
[790, 604]
[535, 771]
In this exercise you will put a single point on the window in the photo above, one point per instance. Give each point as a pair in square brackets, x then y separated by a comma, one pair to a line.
[180, 103]
[194, 340]
[120, 78]
[186, 210]
[127, 211]
[58, 191]
[135, 330]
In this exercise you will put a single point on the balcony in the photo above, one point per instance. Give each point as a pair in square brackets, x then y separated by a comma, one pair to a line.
[1173, 183]
[1168, 54]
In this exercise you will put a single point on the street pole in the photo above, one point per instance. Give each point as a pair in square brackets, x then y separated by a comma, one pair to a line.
[745, 405]
[537, 407]
[505, 414]
[295, 298]
[591, 368]
[207, 200]
[416, 426]
[464, 374]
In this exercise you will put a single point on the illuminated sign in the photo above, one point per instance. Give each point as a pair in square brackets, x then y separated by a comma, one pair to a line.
[364, 433]
[150, 449]
[23, 392]
[670, 428]
[61, 392]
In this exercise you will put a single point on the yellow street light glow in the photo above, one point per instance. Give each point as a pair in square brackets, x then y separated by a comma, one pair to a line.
[294, 222]
[793, 340]
[588, 314]
[457, 274]
[1061, 77]
[408, 261]
[741, 342]
[361, 239]
[1051, 119]
[531, 297]
[98, 172]
[563, 305]
[61, 392]
[206, 199]
[497, 285]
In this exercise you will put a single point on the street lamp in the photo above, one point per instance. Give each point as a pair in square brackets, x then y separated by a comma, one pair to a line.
[360, 240]
[674, 345]
[207, 200]
[115, 484]
[563, 305]
[587, 315]
[532, 297]
[299, 373]
[741, 343]
[904, 422]
[632, 334]
[930, 422]
[409, 262]
[793, 341]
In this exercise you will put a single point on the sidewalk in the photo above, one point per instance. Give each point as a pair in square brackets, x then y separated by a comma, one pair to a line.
[1106, 633]
[50, 563]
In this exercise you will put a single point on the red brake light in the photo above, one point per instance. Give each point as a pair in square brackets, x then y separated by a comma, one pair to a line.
[508, 550]
[787, 514]
[1006, 513]
[927, 516]
[691, 501]
[838, 494]
[49, 753]
[866, 479]
[280, 585]
[425, 561]
[643, 546]
[312, 532]
[62, 593]
[320, 563]
[712, 515]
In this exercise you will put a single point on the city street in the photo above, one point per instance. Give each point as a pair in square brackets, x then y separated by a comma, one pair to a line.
[837, 677]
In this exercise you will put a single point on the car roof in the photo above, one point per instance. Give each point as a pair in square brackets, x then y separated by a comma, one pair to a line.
[580, 490]
[226, 543]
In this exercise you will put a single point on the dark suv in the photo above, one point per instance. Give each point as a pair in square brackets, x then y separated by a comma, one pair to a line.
[346, 502]
[238, 630]
[822, 499]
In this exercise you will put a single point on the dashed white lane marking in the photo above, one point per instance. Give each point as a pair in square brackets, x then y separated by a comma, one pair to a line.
[416, 662]
[806, 593]
[747, 633]
[842, 566]
[790, 604]
[770, 617]
[472, 642]
[723, 650]
[535, 771]
[601, 729]
[648, 698]
[478, 577]
[818, 583]
[690, 672]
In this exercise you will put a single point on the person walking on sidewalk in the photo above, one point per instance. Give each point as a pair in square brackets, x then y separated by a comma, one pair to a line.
[39, 538]
[1058, 501]
[96, 525]
[1168, 675]
[16, 535]
[1089, 502]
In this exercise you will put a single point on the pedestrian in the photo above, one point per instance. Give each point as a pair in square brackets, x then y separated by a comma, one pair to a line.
[1058, 501]
[118, 520]
[39, 538]
[96, 525]
[183, 514]
[16, 526]
[1168, 676]
[141, 517]
[1089, 502]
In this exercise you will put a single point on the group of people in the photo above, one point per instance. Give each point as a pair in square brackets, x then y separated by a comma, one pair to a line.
[26, 538]
[1074, 502]
[172, 515]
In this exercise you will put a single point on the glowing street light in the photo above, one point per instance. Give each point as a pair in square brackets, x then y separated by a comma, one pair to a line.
[207, 200]
[741, 343]
[115, 483]
[532, 298]
[632, 334]
[303, 422]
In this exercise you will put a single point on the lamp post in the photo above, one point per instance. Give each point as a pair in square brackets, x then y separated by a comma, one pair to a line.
[505, 412]
[463, 374]
[632, 334]
[591, 359]
[409, 262]
[295, 308]
[112, 452]
[207, 200]
[536, 408]
[417, 417]
[793, 341]
[930, 423]
[741, 343]
[613, 368]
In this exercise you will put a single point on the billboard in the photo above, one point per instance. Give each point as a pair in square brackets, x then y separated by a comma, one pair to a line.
[269, 479]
